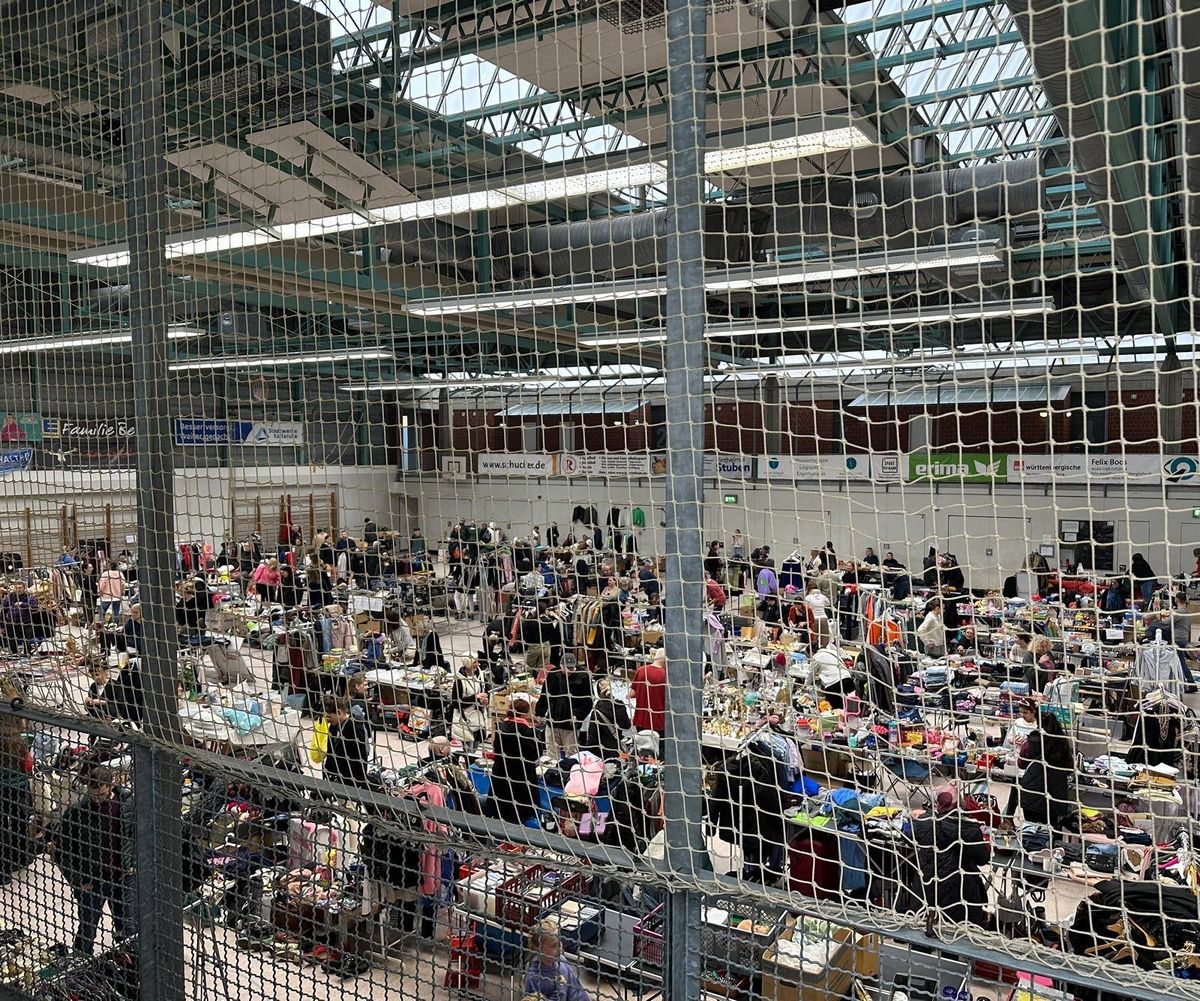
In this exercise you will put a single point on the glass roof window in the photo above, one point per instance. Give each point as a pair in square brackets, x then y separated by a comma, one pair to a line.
[972, 119]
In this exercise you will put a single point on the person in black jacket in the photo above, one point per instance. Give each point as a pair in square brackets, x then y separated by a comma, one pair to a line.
[929, 568]
[747, 806]
[609, 721]
[1043, 789]
[349, 751]
[565, 702]
[94, 848]
[427, 646]
[514, 775]
[950, 848]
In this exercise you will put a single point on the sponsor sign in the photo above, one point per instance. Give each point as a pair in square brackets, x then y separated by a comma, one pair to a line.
[16, 460]
[1174, 470]
[17, 429]
[201, 431]
[735, 467]
[516, 464]
[815, 467]
[274, 433]
[52, 427]
[885, 467]
[603, 464]
[1182, 469]
[965, 467]
[213, 431]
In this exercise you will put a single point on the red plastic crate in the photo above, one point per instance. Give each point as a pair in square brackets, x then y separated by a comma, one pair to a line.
[648, 938]
[512, 905]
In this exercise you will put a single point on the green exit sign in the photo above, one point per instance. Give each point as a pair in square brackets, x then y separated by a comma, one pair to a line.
[732, 499]
[1196, 512]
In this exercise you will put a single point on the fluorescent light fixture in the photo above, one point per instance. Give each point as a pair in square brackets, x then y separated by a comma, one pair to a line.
[278, 361]
[536, 383]
[789, 148]
[592, 183]
[954, 311]
[885, 262]
[623, 340]
[563, 295]
[88, 339]
[762, 276]
[225, 238]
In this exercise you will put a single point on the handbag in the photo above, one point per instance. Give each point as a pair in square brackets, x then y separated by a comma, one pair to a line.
[318, 743]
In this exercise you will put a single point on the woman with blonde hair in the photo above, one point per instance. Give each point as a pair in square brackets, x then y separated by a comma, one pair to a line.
[550, 977]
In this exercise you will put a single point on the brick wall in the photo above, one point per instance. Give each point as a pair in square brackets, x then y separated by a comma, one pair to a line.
[1133, 421]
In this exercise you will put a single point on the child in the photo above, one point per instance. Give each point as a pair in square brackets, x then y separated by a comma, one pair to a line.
[550, 977]
[96, 700]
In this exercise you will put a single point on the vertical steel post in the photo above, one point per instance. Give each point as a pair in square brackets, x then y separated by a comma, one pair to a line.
[686, 852]
[157, 781]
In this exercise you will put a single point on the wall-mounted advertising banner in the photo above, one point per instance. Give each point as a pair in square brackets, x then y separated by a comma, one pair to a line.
[963, 467]
[17, 429]
[201, 431]
[815, 467]
[214, 431]
[1173, 470]
[516, 464]
[52, 427]
[603, 464]
[273, 433]
[728, 467]
[16, 460]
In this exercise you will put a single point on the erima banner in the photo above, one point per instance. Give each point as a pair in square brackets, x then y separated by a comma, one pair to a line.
[963, 467]
[516, 464]
[815, 467]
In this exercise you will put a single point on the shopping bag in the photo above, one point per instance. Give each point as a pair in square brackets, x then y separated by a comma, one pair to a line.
[318, 744]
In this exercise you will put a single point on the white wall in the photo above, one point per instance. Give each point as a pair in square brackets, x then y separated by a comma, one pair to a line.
[203, 497]
[990, 531]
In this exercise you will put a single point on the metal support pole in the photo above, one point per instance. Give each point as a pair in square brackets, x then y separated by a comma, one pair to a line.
[686, 850]
[157, 781]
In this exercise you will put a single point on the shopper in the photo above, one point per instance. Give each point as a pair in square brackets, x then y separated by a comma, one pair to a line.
[608, 723]
[514, 774]
[817, 604]
[1043, 788]
[1043, 670]
[649, 694]
[550, 977]
[468, 706]
[766, 582]
[932, 630]
[94, 850]
[16, 804]
[110, 589]
[565, 702]
[266, 578]
[1145, 580]
[349, 751]
[950, 848]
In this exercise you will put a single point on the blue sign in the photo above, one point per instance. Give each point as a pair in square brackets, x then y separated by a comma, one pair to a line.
[201, 431]
[16, 461]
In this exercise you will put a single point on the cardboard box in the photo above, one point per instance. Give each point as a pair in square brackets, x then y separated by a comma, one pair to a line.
[856, 957]
[836, 762]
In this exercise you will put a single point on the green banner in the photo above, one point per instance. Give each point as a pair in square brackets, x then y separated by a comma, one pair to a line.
[17, 429]
[964, 467]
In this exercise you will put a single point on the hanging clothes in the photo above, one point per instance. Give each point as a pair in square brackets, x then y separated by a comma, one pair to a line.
[638, 518]
[791, 573]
